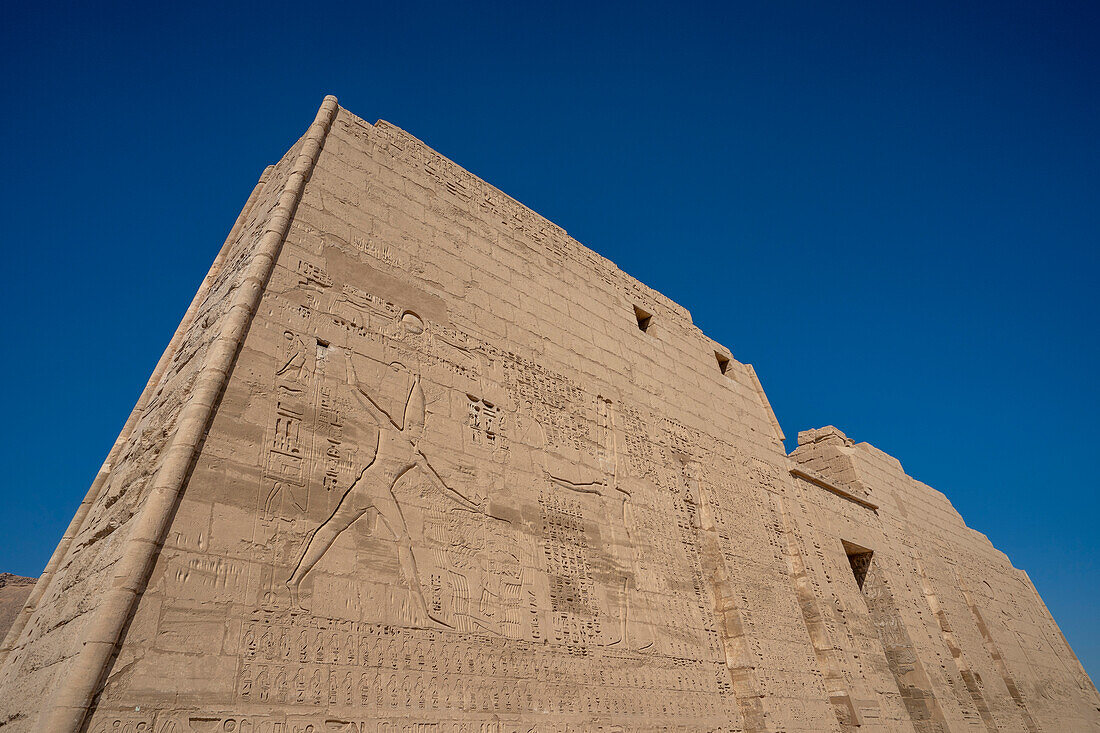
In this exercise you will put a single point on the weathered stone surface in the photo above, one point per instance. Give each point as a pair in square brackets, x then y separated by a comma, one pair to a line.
[14, 590]
[416, 460]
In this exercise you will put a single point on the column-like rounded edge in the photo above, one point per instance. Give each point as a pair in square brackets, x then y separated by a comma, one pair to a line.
[70, 703]
[104, 472]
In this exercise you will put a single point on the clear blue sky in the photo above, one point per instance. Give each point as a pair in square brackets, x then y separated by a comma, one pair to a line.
[892, 212]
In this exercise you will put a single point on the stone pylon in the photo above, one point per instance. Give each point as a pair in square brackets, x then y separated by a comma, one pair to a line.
[417, 460]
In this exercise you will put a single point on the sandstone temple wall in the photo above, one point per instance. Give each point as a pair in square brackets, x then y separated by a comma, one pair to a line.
[460, 473]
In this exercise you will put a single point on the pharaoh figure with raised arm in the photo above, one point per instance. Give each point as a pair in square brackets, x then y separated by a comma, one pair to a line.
[397, 453]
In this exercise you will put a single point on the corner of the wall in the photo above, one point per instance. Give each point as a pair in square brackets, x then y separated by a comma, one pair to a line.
[766, 403]
[67, 708]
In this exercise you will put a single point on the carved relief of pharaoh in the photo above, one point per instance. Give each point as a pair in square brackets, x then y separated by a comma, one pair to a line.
[391, 408]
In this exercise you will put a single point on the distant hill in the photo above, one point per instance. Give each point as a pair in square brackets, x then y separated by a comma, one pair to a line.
[14, 590]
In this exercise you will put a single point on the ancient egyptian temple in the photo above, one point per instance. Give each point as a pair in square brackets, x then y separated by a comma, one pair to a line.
[417, 460]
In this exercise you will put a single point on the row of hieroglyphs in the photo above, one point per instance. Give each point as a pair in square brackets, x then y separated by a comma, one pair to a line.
[266, 723]
[347, 663]
[380, 690]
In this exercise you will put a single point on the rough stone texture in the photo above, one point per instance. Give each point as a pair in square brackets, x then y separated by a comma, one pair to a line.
[14, 590]
[451, 484]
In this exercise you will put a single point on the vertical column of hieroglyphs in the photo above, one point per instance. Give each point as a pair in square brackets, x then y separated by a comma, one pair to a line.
[973, 687]
[817, 626]
[916, 689]
[934, 647]
[944, 654]
[724, 622]
[796, 695]
[998, 658]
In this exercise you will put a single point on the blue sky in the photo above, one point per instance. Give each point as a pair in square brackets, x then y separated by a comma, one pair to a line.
[892, 212]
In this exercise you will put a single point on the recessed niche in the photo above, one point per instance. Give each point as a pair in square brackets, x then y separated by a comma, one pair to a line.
[723, 361]
[644, 318]
[860, 560]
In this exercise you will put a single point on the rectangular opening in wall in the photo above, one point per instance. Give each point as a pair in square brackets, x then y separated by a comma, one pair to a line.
[860, 560]
[723, 361]
[643, 317]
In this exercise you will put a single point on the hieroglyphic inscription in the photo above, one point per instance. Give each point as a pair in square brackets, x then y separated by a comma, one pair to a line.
[687, 521]
[485, 422]
[285, 463]
[381, 251]
[360, 312]
[377, 668]
[337, 456]
[639, 448]
[555, 400]
[312, 275]
[565, 550]
[909, 673]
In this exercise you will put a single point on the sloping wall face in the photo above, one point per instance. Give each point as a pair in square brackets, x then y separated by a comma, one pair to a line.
[967, 638]
[466, 475]
[13, 595]
[44, 640]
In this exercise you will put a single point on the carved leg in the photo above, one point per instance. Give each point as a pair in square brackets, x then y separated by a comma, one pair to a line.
[391, 515]
[269, 504]
[352, 506]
